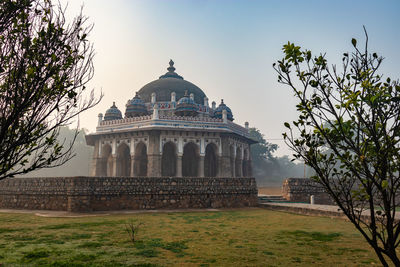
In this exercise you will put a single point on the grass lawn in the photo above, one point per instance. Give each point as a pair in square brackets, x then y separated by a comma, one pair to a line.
[247, 237]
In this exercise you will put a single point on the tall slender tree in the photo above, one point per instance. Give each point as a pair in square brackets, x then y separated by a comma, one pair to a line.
[348, 131]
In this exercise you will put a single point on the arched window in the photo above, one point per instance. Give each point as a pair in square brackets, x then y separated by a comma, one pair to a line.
[210, 161]
[168, 160]
[190, 160]
[140, 166]
[123, 160]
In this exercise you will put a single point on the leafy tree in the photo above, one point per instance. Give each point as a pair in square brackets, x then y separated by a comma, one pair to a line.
[268, 169]
[45, 64]
[348, 131]
[261, 150]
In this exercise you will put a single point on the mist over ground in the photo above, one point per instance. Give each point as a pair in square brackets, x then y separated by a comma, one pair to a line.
[79, 165]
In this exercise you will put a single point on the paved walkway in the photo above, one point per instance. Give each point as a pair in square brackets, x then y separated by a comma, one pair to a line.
[61, 214]
[305, 209]
[309, 209]
[299, 208]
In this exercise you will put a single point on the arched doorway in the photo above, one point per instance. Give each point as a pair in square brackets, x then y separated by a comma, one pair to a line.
[123, 160]
[190, 160]
[238, 162]
[245, 169]
[232, 160]
[107, 166]
[140, 166]
[168, 160]
[210, 161]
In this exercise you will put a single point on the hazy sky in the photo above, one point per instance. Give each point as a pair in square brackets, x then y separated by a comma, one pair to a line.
[227, 48]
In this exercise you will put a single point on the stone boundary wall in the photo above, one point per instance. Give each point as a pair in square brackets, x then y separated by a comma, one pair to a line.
[85, 194]
[301, 189]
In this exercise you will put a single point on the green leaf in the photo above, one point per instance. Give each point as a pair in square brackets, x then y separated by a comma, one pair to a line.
[354, 42]
[287, 125]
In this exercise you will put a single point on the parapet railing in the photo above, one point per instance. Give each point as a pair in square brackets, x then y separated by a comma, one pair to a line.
[171, 121]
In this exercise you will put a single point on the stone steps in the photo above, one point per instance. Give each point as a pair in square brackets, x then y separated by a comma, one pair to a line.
[271, 198]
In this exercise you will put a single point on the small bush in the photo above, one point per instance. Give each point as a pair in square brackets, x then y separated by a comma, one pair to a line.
[132, 230]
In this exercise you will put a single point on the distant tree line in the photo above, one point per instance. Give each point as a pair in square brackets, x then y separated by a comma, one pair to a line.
[79, 165]
[270, 170]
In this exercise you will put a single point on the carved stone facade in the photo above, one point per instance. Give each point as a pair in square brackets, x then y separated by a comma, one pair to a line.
[175, 134]
[171, 150]
[171, 153]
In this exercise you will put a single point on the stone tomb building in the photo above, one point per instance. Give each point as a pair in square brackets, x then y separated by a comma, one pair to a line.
[171, 150]
[170, 130]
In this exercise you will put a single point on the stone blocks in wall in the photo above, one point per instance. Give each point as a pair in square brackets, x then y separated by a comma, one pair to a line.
[301, 189]
[82, 194]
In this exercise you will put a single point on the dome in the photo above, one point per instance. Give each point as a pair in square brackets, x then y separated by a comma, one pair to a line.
[113, 113]
[186, 106]
[168, 83]
[135, 107]
[220, 108]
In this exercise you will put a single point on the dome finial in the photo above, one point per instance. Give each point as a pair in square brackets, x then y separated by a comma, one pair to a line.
[171, 67]
[222, 101]
[113, 106]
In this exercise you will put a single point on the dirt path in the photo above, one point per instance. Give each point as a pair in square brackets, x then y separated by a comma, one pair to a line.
[270, 190]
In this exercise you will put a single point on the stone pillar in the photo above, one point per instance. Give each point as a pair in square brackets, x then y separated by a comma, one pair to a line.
[114, 164]
[224, 166]
[154, 155]
[218, 166]
[225, 116]
[154, 165]
[99, 119]
[206, 101]
[200, 171]
[155, 112]
[239, 163]
[97, 168]
[133, 164]
[249, 168]
[232, 166]
[179, 165]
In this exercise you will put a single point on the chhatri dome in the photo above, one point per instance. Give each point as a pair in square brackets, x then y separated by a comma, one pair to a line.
[186, 106]
[135, 107]
[113, 113]
[170, 130]
[218, 111]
